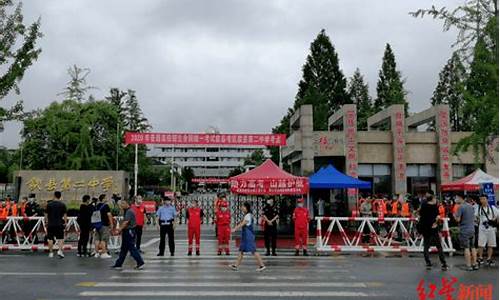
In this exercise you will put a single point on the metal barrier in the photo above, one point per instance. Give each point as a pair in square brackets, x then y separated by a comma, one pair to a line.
[27, 233]
[384, 235]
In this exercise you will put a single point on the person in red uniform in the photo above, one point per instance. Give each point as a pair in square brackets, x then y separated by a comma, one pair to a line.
[139, 210]
[221, 198]
[223, 221]
[301, 220]
[194, 214]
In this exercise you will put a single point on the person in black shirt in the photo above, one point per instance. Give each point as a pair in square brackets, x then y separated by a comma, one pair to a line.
[83, 219]
[428, 227]
[56, 218]
[270, 216]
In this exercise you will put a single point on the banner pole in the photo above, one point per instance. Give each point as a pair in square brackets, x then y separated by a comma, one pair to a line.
[136, 170]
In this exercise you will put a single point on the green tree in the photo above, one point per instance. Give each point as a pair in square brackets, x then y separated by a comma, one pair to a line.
[481, 92]
[70, 136]
[131, 118]
[77, 88]
[359, 95]
[134, 118]
[236, 171]
[468, 19]
[450, 91]
[187, 175]
[390, 89]
[323, 79]
[256, 158]
[18, 51]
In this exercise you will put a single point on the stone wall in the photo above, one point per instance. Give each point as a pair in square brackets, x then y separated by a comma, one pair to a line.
[72, 184]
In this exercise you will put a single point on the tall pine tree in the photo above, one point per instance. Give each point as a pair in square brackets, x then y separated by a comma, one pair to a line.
[134, 119]
[390, 88]
[358, 94]
[323, 84]
[449, 90]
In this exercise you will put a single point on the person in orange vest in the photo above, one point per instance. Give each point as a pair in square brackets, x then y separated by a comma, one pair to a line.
[456, 206]
[22, 207]
[301, 220]
[395, 206]
[223, 221]
[13, 209]
[441, 210]
[194, 214]
[405, 209]
[4, 212]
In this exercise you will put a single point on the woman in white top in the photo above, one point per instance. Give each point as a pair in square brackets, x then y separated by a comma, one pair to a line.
[247, 243]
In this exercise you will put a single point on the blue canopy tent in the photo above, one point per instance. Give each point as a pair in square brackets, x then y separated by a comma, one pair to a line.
[330, 178]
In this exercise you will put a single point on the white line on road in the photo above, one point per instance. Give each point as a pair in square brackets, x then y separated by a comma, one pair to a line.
[150, 242]
[290, 266]
[230, 284]
[281, 257]
[40, 274]
[226, 277]
[254, 294]
[225, 269]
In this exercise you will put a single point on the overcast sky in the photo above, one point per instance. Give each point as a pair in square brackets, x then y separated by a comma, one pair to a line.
[230, 64]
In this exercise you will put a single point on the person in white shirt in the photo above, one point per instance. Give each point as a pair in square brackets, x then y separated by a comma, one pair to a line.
[487, 218]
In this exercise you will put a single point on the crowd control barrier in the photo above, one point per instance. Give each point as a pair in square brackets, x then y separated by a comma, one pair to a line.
[28, 233]
[371, 234]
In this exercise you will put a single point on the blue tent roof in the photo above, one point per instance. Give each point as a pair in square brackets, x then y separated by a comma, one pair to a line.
[330, 178]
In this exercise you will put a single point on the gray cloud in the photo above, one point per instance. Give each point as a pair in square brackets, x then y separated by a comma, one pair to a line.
[232, 64]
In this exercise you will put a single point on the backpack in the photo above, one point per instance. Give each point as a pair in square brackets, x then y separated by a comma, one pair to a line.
[96, 219]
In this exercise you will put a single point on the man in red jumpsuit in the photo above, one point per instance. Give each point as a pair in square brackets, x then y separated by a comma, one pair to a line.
[223, 221]
[301, 219]
[194, 215]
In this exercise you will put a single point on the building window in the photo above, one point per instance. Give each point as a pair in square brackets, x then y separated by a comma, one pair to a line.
[420, 170]
[369, 170]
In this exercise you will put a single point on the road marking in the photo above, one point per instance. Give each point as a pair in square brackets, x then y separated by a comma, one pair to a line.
[281, 257]
[150, 242]
[292, 267]
[254, 294]
[211, 276]
[40, 274]
[225, 269]
[226, 284]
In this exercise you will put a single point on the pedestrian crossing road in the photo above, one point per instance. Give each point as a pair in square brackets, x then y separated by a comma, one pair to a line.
[35, 276]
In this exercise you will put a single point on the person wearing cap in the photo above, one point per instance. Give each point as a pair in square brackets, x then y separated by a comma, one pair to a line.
[221, 198]
[166, 216]
[301, 220]
[465, 217]
[194, 215]
[270, 218]
[223, 221]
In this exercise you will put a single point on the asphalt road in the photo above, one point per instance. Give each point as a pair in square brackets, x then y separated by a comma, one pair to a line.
[35, 276]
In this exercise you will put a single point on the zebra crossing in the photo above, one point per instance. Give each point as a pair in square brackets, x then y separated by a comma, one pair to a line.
[208, 276]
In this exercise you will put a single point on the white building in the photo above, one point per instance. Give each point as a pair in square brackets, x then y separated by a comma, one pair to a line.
[206, 161]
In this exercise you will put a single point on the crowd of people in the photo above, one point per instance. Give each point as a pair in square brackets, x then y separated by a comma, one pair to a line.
[476, 219]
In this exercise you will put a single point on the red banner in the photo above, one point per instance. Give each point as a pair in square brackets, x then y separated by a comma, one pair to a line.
[149, 206]
[298, 186]
[205, 139]
[209, 180]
